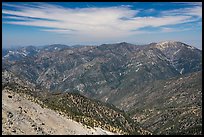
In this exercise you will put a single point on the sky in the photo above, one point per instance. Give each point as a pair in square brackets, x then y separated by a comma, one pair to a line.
[96, 23]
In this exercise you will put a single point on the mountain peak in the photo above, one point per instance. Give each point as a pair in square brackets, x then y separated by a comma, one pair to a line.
[123, 43]
[169, 42]
[172, 44]
[165, 44]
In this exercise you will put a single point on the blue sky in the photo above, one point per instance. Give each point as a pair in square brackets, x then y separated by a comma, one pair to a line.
[95, 23]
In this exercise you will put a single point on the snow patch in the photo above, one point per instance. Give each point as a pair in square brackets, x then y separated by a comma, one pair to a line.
[162, 57]
[181, 72]
[129, 65]
[24, 54]
[138, 64]
[137, 69]
[7, 55]
[106, 99]
[11, 52]
[176, 52]
[190, 47]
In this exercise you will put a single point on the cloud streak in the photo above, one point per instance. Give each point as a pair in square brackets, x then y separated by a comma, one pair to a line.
[99, 23]
[195, 11]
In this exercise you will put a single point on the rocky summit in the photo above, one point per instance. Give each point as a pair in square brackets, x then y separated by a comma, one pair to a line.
[123, 88]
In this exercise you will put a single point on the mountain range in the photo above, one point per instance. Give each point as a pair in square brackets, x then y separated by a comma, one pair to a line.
[156, 85]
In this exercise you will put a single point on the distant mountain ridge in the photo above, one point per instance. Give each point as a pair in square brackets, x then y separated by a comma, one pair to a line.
[93, 70]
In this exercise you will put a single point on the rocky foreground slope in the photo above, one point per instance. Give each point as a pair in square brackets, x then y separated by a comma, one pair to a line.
[21, 116]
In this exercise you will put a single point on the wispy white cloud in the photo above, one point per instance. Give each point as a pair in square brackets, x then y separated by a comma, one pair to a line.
[193, 11]
[168, 29]
[62, 31]
[99, 23]
[15, 17]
